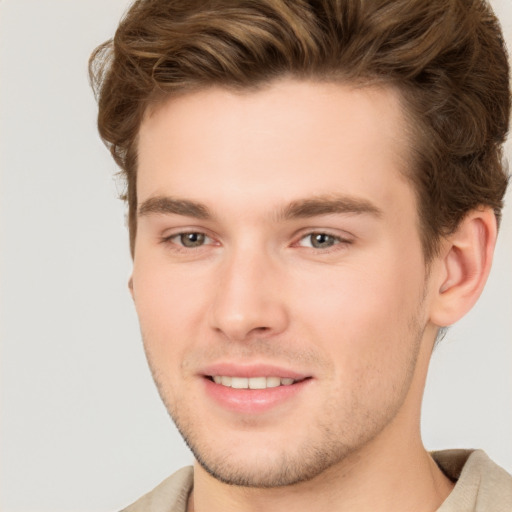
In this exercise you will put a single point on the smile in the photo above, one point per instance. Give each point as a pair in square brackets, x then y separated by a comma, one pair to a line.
[252, 382]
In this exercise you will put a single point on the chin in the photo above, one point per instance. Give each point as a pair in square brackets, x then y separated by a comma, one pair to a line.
[263, 462]
[281, 471]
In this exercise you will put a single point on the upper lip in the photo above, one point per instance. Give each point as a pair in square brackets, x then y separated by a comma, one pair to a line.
[251, 370]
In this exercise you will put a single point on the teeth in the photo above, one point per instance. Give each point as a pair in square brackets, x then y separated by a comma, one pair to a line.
[273, 382]
[239, 382]
[257, 382]
[252, 382]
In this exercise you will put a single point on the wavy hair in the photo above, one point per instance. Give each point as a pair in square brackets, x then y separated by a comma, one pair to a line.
[446, 57]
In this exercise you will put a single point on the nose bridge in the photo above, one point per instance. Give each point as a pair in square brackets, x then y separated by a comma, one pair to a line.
[249, 299]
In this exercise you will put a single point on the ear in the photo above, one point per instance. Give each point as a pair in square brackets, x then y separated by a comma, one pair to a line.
[130, 285]
[464, 265]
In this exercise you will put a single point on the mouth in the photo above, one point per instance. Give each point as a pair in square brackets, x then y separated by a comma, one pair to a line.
[253, 382]
[254, 389]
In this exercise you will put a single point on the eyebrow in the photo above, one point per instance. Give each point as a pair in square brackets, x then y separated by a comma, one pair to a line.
[298, 209]
[328, 205]
[170, 205]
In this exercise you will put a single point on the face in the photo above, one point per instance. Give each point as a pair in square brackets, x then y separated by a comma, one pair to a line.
[278, 274]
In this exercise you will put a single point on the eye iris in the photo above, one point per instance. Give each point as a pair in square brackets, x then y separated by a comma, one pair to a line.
[321, 240]
[192, 239]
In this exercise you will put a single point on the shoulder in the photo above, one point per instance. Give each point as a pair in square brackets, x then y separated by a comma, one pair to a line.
[169, 496]
[482, 485]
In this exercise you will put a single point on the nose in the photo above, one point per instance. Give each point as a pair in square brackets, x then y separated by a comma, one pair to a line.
[250, 300]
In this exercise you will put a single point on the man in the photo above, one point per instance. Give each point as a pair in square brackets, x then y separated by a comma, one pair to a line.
[314, 190]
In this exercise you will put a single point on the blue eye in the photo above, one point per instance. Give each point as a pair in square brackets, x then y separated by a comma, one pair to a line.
[189, 240]
[320, 240]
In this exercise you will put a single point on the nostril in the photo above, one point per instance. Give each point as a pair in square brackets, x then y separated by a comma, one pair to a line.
[259, 331]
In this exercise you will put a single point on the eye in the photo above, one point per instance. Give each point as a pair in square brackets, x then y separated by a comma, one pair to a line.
[190, 240]
[320, 240]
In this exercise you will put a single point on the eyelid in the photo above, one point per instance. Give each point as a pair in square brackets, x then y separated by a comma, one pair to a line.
[342, 240]
[179, 235]
[342, 236]
[169, 237]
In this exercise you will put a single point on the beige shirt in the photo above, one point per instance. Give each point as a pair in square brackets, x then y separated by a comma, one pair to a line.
[482, 486]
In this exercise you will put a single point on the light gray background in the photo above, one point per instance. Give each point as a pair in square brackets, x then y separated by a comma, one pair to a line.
[82, 428]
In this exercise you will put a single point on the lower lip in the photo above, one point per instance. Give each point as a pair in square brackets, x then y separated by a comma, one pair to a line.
[253, 401]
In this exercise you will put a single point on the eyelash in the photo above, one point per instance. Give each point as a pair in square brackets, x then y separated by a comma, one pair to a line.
[168, 240]
[338, 240]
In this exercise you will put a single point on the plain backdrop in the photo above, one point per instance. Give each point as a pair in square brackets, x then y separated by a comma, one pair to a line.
[82, 427]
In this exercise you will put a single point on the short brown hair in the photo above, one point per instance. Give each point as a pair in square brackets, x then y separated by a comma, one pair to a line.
[447, 58]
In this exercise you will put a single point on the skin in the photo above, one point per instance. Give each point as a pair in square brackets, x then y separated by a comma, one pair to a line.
[357, 315]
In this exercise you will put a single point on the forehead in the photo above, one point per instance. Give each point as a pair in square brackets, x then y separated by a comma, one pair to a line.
[291, 137]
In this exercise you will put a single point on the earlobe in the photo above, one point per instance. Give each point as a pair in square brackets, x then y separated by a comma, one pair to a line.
[464, 267]
[130, 285]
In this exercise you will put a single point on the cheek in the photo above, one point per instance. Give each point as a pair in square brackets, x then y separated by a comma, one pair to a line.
[362, 313]
[164, 291]
[170, 305]
[367, 325]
